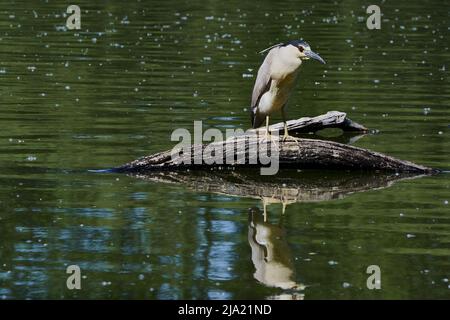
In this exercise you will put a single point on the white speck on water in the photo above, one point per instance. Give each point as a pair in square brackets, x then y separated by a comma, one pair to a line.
[440, 132]
[125, 20]
[332, 263]
[247, 75]
[67, 87]
[31, 158]
[446, 202]
[376, 81]
[410, 235]
[61, 28]
[141, 277]
[346, 285]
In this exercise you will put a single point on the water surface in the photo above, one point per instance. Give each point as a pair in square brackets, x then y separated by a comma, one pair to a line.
[116, 89]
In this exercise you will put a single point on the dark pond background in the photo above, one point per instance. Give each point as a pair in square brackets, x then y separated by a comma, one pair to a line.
[116, 89]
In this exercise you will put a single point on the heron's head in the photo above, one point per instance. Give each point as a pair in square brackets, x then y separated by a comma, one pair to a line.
[304, 51]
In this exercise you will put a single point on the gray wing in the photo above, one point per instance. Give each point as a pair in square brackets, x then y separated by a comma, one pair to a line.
[262, 85]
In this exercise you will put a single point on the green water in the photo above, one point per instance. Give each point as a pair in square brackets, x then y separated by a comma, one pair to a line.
[116, 89]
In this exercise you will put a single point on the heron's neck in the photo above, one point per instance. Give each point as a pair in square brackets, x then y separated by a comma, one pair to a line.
[288, 59]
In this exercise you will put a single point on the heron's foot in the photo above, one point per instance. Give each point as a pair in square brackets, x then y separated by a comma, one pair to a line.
[268, 138]
[287, 137]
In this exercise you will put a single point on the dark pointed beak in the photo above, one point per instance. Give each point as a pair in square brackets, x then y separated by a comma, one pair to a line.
[315, 56]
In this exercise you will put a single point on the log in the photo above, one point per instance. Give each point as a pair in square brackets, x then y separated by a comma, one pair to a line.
[243, 151]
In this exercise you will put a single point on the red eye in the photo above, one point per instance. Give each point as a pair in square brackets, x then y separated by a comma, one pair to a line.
[301, 48]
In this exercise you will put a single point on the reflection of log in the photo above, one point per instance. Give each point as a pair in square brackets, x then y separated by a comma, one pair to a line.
[288, 186]
[305, 153]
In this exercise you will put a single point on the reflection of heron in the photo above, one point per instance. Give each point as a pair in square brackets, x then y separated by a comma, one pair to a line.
[276, 78]
[271, 254]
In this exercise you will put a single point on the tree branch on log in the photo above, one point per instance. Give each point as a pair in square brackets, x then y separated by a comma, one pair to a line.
[331, 119]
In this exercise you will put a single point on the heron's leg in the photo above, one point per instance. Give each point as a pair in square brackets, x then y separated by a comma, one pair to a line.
[286, 135]
[268, 135]
[267, 127]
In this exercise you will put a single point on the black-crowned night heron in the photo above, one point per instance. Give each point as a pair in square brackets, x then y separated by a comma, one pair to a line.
[276, 78]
